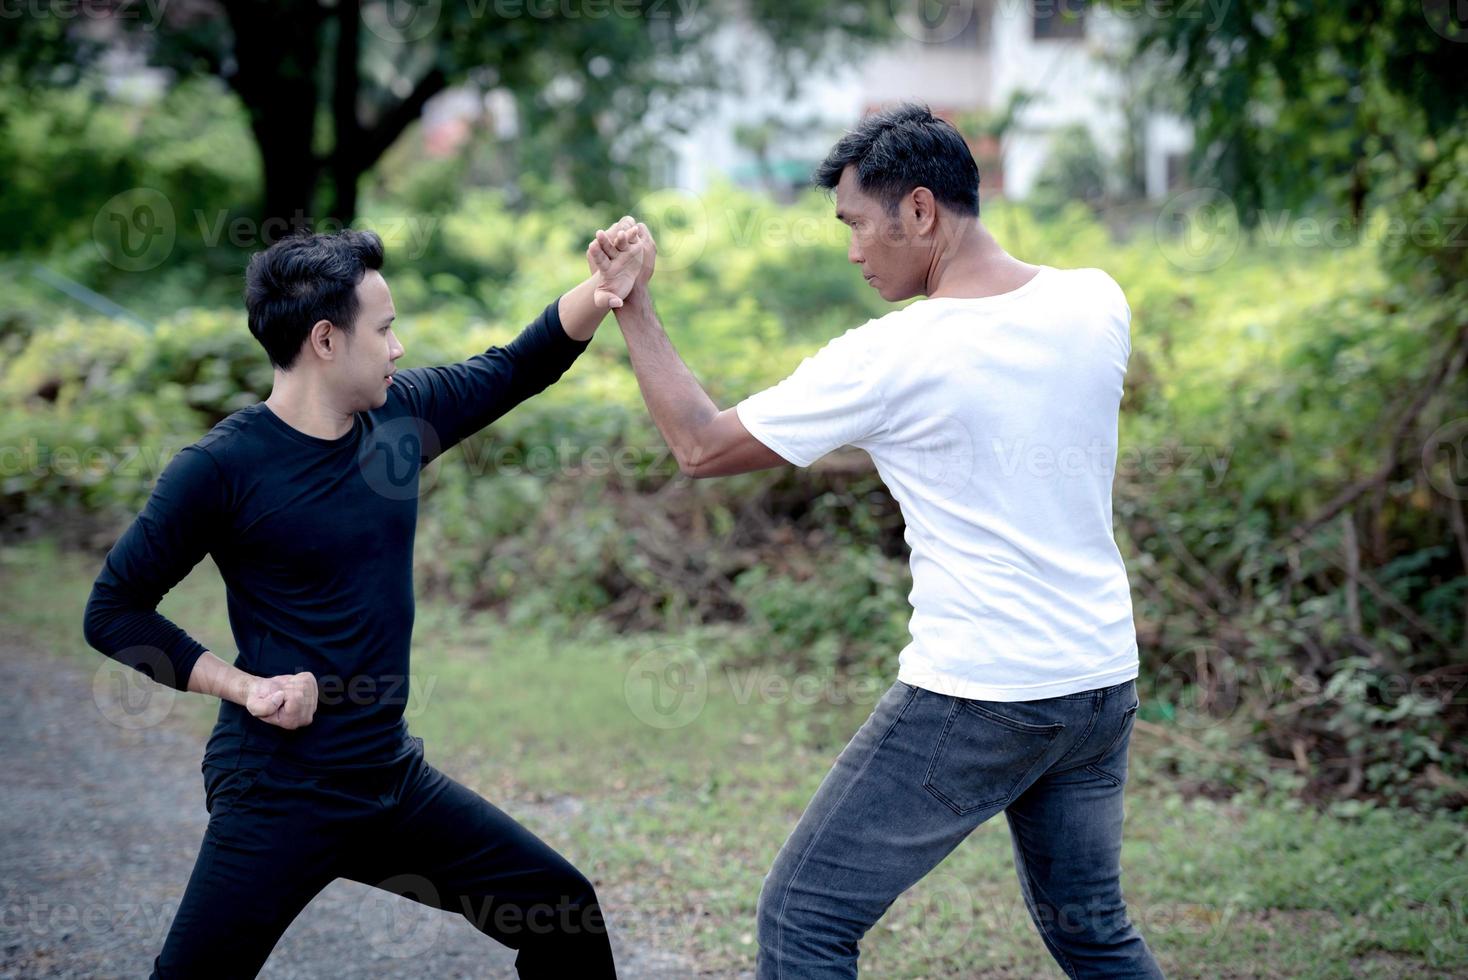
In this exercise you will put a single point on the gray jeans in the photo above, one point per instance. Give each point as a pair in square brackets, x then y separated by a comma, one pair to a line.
[924, 771]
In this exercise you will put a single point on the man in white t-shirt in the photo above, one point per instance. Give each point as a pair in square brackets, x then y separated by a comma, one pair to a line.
[990, 410]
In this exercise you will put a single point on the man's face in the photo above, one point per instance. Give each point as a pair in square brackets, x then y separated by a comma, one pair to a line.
[882, 243]
[365, 363]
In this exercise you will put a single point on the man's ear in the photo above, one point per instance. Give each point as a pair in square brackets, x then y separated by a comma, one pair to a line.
[924, 210]
[325, 339]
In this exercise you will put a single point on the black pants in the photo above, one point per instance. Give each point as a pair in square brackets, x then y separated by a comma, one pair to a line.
[277, 835]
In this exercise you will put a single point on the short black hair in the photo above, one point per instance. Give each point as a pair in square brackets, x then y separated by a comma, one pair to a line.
[898, 149]
[304, 278]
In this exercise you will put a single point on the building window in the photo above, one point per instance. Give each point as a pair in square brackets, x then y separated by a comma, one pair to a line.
[1179, 166]
[1058, 19]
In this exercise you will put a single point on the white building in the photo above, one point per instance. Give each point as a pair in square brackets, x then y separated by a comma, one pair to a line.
[969, 55]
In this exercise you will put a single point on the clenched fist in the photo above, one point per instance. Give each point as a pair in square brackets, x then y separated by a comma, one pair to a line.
[619, 256]
[286, 700]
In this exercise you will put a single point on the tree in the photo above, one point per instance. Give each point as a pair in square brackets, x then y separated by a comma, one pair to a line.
[329, 85]
[1352, 104]
[1355, 106]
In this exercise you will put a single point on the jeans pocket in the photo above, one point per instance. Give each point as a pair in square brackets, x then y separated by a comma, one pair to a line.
[1112, 762]
[223, 787]
[983, 757]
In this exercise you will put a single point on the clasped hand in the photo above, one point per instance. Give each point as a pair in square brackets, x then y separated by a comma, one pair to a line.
[622, 259]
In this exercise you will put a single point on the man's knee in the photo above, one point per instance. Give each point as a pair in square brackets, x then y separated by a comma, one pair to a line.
[1098, 921]
[790, 931]
[574, 888]
[569, 906]
[1096, 935]
[765, 913]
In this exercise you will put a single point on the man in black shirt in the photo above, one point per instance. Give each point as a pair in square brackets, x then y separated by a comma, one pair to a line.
[308, 503]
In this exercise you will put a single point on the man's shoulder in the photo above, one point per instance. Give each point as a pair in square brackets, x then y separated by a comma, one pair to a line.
[1088, 283]
[876, 332]
[232, 434]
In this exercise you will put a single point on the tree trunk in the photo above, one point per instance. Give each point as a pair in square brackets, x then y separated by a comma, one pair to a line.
[278, 51]
[346, 156]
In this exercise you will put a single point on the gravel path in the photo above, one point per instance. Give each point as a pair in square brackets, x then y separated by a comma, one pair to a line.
[99, 827]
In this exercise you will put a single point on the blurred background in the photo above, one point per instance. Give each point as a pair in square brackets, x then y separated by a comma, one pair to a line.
[1281, 187]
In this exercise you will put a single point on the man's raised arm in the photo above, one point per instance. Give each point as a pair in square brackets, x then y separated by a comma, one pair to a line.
[705, 441]
[457, 400]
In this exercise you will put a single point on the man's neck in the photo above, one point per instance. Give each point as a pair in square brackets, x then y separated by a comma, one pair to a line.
[307, 410]
[974, 265]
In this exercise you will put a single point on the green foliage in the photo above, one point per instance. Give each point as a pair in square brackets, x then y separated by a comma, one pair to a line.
[65, 152]
[856, 603]
[329, 88]
[1255, 394]
[678, 825]
[1349, 106]
[1074, 171]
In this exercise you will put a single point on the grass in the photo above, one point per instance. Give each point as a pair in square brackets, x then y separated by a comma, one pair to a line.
[676, 809]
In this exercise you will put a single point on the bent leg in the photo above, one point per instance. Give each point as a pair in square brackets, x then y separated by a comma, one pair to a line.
[1066, 829]
[884, 817]
[450, 848]
[263, 858]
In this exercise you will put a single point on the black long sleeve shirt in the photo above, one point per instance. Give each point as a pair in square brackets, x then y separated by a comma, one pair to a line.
[314, 540]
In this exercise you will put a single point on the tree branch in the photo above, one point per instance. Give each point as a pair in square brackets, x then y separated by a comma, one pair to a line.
[375, 141]
[1448, 366]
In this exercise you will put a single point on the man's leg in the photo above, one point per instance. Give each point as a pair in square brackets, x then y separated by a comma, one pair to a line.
[264, 857]
[920, 775]
[1066, 830]
[448, 847]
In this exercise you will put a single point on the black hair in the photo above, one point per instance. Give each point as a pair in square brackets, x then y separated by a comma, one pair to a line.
[304, 278]
[905, 147]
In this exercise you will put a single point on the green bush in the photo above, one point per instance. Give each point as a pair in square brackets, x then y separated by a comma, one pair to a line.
[1257, 392]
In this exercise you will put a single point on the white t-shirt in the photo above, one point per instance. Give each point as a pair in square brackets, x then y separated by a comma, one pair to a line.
[993, 422]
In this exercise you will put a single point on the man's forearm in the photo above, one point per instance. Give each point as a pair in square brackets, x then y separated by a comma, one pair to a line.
[580, 316]
[215, 677]
[679, 406]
